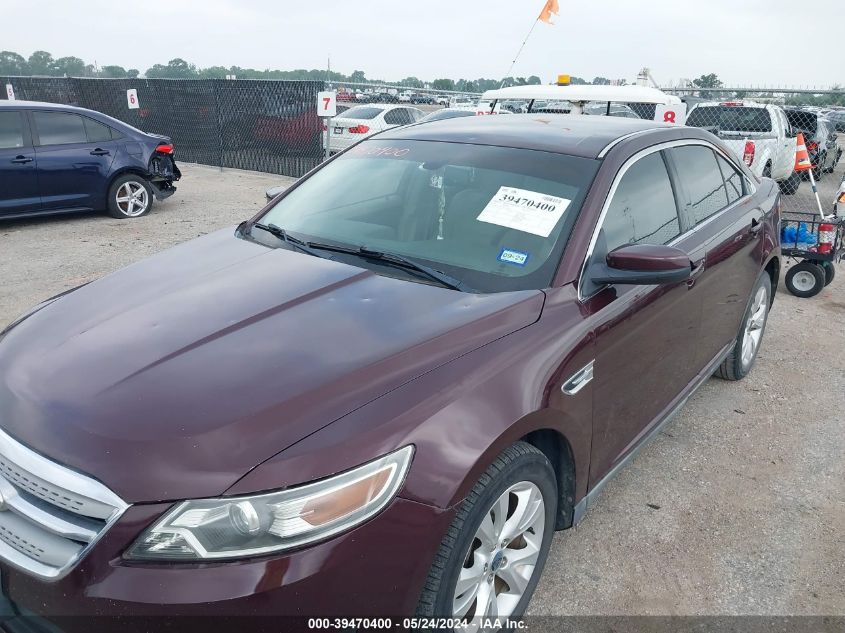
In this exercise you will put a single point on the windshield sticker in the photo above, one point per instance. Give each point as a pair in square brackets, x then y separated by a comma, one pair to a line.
[510, 256]
[527, 211]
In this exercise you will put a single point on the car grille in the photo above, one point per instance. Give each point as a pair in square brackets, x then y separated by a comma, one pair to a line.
[50, 516]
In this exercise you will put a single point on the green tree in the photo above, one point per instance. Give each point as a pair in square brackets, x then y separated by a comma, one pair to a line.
[358, 76]
[214, 72]
[601, 81]
[68, 67]
[41, 63]
[443, 84]
[707, 81]
[132, 73]
[411, 82]
[534, 80]
[176, 68]
[13, 64]
[113, 72]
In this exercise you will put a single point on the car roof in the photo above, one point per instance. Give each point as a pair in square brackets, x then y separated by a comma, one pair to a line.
[39, 105]
[579, 93]
[584, 136]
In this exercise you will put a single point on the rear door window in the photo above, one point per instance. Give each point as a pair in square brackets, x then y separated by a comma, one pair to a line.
[702, 179]
[399, 116]
[11, 130]
[59, 128]
[643, 209]
[734, 182]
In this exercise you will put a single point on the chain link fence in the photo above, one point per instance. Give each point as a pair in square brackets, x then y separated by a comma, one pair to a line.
[269, 126]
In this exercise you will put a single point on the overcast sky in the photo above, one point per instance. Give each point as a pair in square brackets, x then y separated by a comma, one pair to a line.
[745, 42]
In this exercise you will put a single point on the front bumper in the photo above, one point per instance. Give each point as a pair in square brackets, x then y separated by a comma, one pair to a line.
[376, 570]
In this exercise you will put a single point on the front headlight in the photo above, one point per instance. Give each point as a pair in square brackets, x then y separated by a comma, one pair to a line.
[249, 526]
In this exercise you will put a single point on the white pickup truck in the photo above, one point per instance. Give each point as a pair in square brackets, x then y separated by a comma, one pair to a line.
[758, 133]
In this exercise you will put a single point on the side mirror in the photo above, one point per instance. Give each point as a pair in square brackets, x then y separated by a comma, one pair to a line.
[642, 264]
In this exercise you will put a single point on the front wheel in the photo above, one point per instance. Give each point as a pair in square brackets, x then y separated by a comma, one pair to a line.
[740, 359]
[805, 280]
[129, 196]
[491, 558]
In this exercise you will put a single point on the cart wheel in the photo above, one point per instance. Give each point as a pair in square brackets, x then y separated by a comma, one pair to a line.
[829, 272]
[805, 280]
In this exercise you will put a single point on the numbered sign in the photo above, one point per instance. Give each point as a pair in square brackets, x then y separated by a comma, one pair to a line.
[10, 92]
[327, 104]
[132, 99]
[675, 113]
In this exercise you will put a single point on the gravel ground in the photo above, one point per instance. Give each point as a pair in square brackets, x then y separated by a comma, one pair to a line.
[738, 507]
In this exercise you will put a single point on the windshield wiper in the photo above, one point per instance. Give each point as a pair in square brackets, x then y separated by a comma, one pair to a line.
[391, 259]
[397, 261]
[285, 237]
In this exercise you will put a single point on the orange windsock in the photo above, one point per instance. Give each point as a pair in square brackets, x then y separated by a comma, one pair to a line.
[802, 158]
[550, 8]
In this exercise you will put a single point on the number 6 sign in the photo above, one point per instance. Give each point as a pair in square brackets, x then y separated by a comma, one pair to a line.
[327, 104]
[675, 113]
[132, 99]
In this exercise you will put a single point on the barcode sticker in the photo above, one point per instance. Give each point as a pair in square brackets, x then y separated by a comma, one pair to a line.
[523, 210]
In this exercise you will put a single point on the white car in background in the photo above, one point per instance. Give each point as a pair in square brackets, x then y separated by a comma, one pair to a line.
[362, 121]
[758, 133]
[462, 103]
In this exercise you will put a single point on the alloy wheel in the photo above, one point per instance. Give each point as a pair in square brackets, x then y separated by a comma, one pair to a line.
[132, 198]
[502, 557]
[754, 325]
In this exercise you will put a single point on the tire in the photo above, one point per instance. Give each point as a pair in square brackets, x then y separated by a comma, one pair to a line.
[130, 196]
[818, 172]
[833, 163]
[463, 550]
[789, 186]
[740, 359]
[805, 280]
[829, 272]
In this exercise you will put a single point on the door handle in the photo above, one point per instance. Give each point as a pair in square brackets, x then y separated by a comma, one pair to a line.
[579, 380]
[695, 273]
[99, 152]
[20, 160]
[756, 225]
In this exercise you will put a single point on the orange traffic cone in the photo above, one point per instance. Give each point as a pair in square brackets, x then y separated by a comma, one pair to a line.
[802, 158]
[802, 163]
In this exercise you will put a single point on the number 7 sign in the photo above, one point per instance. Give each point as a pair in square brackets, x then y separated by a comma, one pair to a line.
[327, 104]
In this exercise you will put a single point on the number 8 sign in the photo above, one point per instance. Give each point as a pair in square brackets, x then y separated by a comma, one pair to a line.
[674, 113]
[327, 104]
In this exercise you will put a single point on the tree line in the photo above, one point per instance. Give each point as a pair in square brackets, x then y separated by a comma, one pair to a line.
[42, 63]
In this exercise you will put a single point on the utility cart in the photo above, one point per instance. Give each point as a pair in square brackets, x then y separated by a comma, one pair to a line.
[818, 244]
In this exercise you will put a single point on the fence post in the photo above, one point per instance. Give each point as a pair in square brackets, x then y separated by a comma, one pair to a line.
[215, 83]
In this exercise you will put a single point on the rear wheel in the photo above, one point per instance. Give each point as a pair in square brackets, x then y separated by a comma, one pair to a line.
[740, 359]
[789, 186]
[491, 558]
[805, 280]
[129, 196]
[818, 172]
[829, 272]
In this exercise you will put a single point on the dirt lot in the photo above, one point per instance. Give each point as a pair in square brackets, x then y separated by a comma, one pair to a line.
[737, 508]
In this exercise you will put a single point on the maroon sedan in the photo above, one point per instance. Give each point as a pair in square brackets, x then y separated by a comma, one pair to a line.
[383, 394]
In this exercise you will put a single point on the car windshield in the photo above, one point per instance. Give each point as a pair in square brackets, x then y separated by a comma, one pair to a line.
[495, 218]
[362, 112]
[731, 118]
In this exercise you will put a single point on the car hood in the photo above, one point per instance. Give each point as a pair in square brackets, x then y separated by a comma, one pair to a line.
[175, 376]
